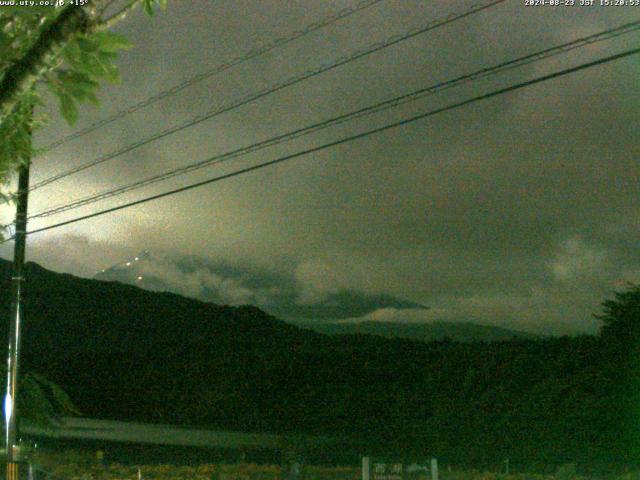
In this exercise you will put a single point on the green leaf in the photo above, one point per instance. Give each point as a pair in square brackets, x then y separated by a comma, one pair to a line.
[111, 42]
[163, 4]
[112, 74]
[5, 40]
[68, 109]
[90, 65]
[87, 44]
[106, 57]
[91, 97]
[71, 53]
[60, 400]
[52, 87]
[148, 7]
[81, 80]
[37, 101]
[75, 92]
[78, 84]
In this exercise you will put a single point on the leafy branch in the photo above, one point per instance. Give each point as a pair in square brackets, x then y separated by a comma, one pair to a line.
[70, 50]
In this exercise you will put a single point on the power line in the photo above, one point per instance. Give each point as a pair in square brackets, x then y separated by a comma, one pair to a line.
[268, 91]
[376, 108]
[350, 138]
[250, 55]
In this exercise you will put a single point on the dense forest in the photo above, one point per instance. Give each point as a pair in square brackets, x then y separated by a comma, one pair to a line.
[126, 353]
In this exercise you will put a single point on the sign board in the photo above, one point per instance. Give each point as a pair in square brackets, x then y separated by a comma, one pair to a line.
[378, 469]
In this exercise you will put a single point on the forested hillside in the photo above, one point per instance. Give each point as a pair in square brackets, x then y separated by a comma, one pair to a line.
[125, 353]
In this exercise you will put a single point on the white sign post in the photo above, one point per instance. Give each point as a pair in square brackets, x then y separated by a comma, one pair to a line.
[378, 469]
[365, 468]
[434, 469]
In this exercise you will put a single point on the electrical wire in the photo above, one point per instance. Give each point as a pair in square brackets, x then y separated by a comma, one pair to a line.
[254, 53]
[376, 108]
[344, 140]
[270, 90]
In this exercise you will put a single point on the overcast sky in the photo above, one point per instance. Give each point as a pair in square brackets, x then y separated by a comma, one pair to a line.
[520, 211]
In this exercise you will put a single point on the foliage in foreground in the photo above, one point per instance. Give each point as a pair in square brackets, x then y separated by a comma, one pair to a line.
[70, 50]
[40, 400]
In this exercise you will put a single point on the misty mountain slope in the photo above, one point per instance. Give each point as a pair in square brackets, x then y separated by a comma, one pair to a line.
[222, 283]
[219, 283]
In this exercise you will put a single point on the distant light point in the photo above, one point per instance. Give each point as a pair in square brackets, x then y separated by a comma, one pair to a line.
[128, 264]
[139, 278]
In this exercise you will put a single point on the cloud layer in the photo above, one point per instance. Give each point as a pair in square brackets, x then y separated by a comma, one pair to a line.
[281, 295]
[520, 211]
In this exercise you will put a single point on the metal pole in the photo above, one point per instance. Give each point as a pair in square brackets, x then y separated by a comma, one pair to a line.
[17, 311]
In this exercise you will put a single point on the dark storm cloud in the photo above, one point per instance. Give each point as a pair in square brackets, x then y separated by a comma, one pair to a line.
[520, 211]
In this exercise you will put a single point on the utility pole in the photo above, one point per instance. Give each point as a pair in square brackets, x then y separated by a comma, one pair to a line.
[17, 312]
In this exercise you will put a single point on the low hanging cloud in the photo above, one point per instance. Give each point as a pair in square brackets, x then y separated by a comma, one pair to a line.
[578, 274]
[577, 260]
[280, 295]
[198, 283]
[164, 273]
[517, 312]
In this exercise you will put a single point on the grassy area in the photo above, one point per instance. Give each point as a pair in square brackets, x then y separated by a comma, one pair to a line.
[261, 472]
[78, 465]
[246, 471]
